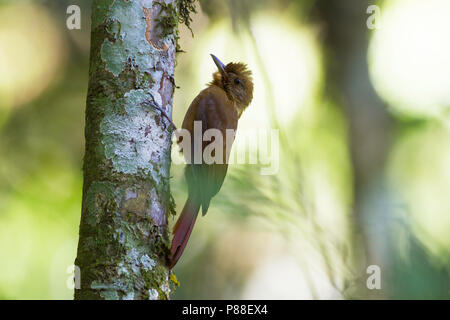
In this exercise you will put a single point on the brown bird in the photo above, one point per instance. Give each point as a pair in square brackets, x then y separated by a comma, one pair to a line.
[219, 106]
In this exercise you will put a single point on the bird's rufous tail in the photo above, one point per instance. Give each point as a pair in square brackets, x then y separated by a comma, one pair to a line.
[182, 230]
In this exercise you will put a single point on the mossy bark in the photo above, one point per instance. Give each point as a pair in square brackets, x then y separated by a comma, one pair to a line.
[123, 244]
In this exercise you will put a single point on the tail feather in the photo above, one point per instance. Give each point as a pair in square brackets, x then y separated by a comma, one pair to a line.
[182, 230]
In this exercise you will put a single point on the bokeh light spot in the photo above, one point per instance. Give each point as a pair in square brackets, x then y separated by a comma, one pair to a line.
[419, 170]
[31, 52]
[410, 56]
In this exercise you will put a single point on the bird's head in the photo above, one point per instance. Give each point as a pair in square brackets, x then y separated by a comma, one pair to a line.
[236, 80]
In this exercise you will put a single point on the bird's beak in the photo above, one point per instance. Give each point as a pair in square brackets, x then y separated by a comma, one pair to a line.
[219, 65]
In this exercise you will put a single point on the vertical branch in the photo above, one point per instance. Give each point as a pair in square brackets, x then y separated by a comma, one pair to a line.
[123, 243]
[348, 81]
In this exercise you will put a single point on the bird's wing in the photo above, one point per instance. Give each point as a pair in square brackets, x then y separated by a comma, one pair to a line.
[215, 112]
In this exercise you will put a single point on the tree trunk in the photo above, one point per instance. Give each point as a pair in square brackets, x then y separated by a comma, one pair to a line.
[123, 244]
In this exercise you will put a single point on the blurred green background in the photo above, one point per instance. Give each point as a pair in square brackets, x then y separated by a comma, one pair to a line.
[364, 158]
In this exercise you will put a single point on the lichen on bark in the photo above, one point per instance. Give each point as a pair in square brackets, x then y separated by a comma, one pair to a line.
[123, 244]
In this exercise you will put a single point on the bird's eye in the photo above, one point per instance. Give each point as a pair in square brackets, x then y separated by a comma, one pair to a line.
[237, 81]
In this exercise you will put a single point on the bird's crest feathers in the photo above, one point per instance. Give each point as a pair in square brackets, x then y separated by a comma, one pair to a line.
[237, 83]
